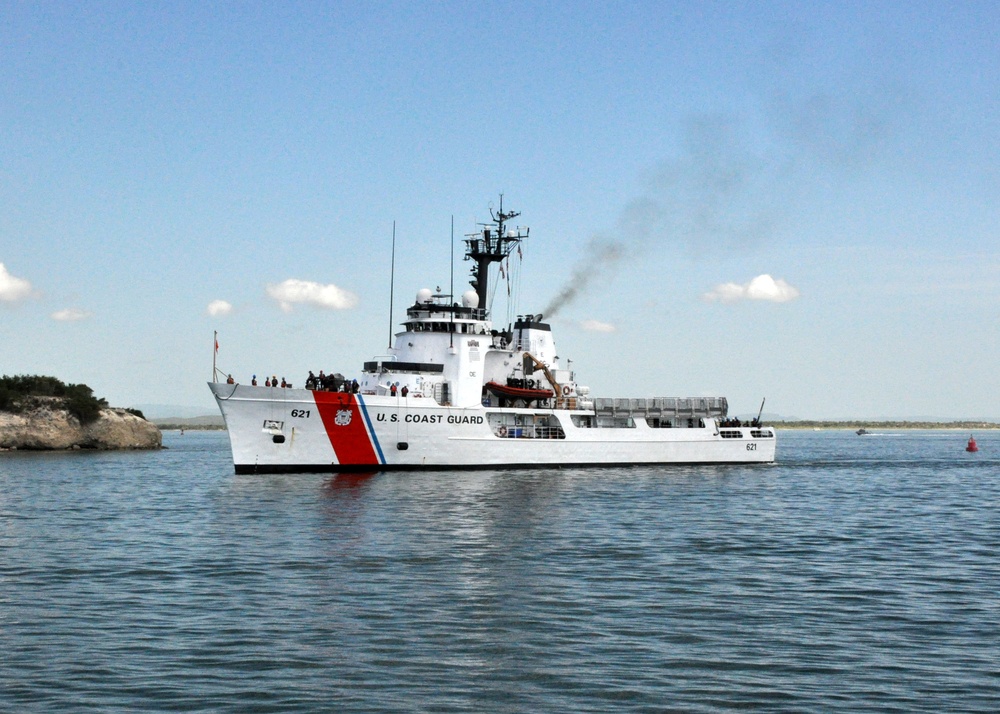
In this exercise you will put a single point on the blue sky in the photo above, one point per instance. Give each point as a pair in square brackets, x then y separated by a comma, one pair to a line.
[796, 201]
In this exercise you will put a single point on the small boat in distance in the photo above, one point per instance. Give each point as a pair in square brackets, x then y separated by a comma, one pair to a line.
[457, 391]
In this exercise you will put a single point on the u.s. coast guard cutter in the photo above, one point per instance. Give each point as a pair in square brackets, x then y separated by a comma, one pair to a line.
[455, 392]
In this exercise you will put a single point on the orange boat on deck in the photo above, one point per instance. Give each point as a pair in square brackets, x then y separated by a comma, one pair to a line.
[522, 393]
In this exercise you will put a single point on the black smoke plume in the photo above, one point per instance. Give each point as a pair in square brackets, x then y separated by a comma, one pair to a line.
[600, 257]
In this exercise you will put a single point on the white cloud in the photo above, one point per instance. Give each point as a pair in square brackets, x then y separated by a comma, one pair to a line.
[597, 326]
[70, 314]
[763, 287]
[219, 308]
[327, 296]
[13, 289]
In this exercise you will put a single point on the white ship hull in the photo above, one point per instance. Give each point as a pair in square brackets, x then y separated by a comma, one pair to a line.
[273, 429]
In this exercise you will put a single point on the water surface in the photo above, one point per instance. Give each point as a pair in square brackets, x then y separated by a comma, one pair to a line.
[856, 574]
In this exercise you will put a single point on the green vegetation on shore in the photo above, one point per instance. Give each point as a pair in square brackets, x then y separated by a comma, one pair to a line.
[22, 393]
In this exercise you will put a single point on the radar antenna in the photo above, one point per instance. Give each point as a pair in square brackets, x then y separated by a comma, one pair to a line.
[491, 245]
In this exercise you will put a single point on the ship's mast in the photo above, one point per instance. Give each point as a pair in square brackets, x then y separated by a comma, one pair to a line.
[491, 245]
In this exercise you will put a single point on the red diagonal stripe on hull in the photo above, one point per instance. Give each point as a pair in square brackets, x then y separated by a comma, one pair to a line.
[350, 441]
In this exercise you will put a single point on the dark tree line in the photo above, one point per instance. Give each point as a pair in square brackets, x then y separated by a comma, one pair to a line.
[21, 393]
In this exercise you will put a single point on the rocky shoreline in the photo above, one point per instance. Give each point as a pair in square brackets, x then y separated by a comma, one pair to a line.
[52, 428]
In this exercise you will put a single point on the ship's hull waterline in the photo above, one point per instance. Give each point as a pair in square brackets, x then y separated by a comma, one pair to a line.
[275, 430]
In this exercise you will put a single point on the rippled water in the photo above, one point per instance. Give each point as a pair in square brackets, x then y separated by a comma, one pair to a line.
[857, 574]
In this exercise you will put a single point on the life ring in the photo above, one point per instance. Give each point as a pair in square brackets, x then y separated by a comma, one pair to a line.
[502, 431]
[566, 390]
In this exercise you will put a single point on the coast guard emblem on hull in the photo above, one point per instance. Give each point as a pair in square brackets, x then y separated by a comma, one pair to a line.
[343, 417]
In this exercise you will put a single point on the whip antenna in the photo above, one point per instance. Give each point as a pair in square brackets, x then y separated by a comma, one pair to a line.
[392, 279]
[451, 332]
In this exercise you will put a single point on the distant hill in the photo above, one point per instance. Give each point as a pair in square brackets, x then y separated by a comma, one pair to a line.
[198, 422]
[173, 416]
[790, 420]
[884, 424]
[171, 411]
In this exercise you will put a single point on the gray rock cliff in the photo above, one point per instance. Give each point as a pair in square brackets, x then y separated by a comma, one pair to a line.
[49, 427]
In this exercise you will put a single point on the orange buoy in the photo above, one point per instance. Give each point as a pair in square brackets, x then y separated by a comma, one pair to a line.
[972, 445]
